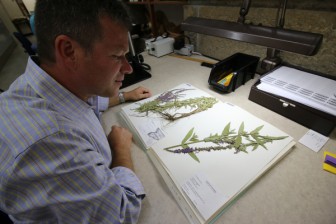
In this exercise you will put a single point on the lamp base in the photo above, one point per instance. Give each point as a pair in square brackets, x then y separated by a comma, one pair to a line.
[139, 73]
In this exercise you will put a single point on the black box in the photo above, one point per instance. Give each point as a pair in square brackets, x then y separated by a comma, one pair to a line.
[238, 67]
[309, 117]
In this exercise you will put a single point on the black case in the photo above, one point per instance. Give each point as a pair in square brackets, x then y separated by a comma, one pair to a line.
[242, 65]
[309, 117]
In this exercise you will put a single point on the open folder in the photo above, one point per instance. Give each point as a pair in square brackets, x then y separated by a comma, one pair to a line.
[208, 152]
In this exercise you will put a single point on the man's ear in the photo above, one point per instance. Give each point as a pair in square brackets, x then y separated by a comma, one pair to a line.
[65, 51]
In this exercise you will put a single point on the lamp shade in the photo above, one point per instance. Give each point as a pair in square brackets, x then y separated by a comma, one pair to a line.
[304, 43]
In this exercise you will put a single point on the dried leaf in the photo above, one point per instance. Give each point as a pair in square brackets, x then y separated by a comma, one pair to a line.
[193, 155]
[275, 138]
[194, 138]
[187, 137]
[255, 147]
[241, 129]
[238, 141]
[226, 130]
[256, 131]
[185, 146]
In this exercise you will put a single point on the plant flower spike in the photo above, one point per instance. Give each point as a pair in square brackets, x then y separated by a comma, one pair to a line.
[228, 139]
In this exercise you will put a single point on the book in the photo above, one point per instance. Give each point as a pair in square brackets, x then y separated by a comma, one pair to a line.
[207, 151]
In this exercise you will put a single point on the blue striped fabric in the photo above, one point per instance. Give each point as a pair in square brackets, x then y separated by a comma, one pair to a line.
[55, 158]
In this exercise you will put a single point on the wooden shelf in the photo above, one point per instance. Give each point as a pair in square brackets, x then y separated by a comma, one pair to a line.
[151, 5]
[158, 2]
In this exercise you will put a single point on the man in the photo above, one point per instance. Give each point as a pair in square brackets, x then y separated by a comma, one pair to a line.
[56, 163]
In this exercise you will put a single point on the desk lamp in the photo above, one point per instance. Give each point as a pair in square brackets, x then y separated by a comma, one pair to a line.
[136, 60]
[139, 67]
[274, 38]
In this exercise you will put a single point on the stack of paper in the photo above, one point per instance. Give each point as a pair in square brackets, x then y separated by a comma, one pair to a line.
[309, 89]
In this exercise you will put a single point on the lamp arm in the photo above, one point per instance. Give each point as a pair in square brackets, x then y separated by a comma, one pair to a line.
[244, 10]
[131, 46]
[281, 18]
[272, 55]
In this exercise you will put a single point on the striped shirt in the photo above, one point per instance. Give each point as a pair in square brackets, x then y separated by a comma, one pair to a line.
[55, 157]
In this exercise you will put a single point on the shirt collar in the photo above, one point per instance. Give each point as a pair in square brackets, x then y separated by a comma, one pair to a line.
[49, 89]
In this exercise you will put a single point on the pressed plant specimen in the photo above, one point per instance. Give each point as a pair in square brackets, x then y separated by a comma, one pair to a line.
[168, 105]
[227, 140]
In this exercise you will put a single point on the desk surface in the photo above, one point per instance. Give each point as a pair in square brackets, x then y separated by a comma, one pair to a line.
[296, 190]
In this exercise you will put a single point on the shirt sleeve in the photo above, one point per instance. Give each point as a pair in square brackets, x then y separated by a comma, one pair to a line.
[103, 103]
[62, 178]
[100, 104]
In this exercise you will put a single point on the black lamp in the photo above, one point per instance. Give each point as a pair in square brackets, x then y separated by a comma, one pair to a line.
[140, 69]
[274, 38]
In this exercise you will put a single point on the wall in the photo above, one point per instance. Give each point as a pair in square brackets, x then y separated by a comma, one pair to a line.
[12, 9]
[7, 43]
[30, 5]
[317, 21]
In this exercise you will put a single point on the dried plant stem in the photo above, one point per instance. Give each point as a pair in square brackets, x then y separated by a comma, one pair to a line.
[164, 109]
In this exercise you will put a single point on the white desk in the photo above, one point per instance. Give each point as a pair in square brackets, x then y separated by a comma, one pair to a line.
[296, 190]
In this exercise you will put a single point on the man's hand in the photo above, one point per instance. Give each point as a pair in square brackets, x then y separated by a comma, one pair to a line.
[137, 94]
[120, 140]
[133, 95]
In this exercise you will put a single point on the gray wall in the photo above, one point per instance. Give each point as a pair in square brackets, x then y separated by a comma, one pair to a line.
[322, 20]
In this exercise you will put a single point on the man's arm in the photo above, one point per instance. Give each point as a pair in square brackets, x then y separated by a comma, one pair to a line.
[120, 140]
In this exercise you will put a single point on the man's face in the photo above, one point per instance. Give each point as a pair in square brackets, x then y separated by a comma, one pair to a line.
[103, 69]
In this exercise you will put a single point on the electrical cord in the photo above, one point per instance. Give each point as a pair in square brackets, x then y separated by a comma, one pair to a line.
[142, 64]
[197, 53]
[164, 35]
[145, 66]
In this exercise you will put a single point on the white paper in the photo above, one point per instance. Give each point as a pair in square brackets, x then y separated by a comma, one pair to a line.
[205, 195]
[309, 89]
[151, 132]
[313, 140]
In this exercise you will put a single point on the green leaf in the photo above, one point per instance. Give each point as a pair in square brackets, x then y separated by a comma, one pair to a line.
[193, 155]
[194, 138]
[241, 129]
[226, 130]
[184, 146]
[262, 144]
[275, 138]
[187, 137]
[255, 137]
[238, 141]
[259, 141]
[256, 131]
[255, 147]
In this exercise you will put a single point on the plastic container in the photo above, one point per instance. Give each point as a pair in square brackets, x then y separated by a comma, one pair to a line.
[232, 72]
